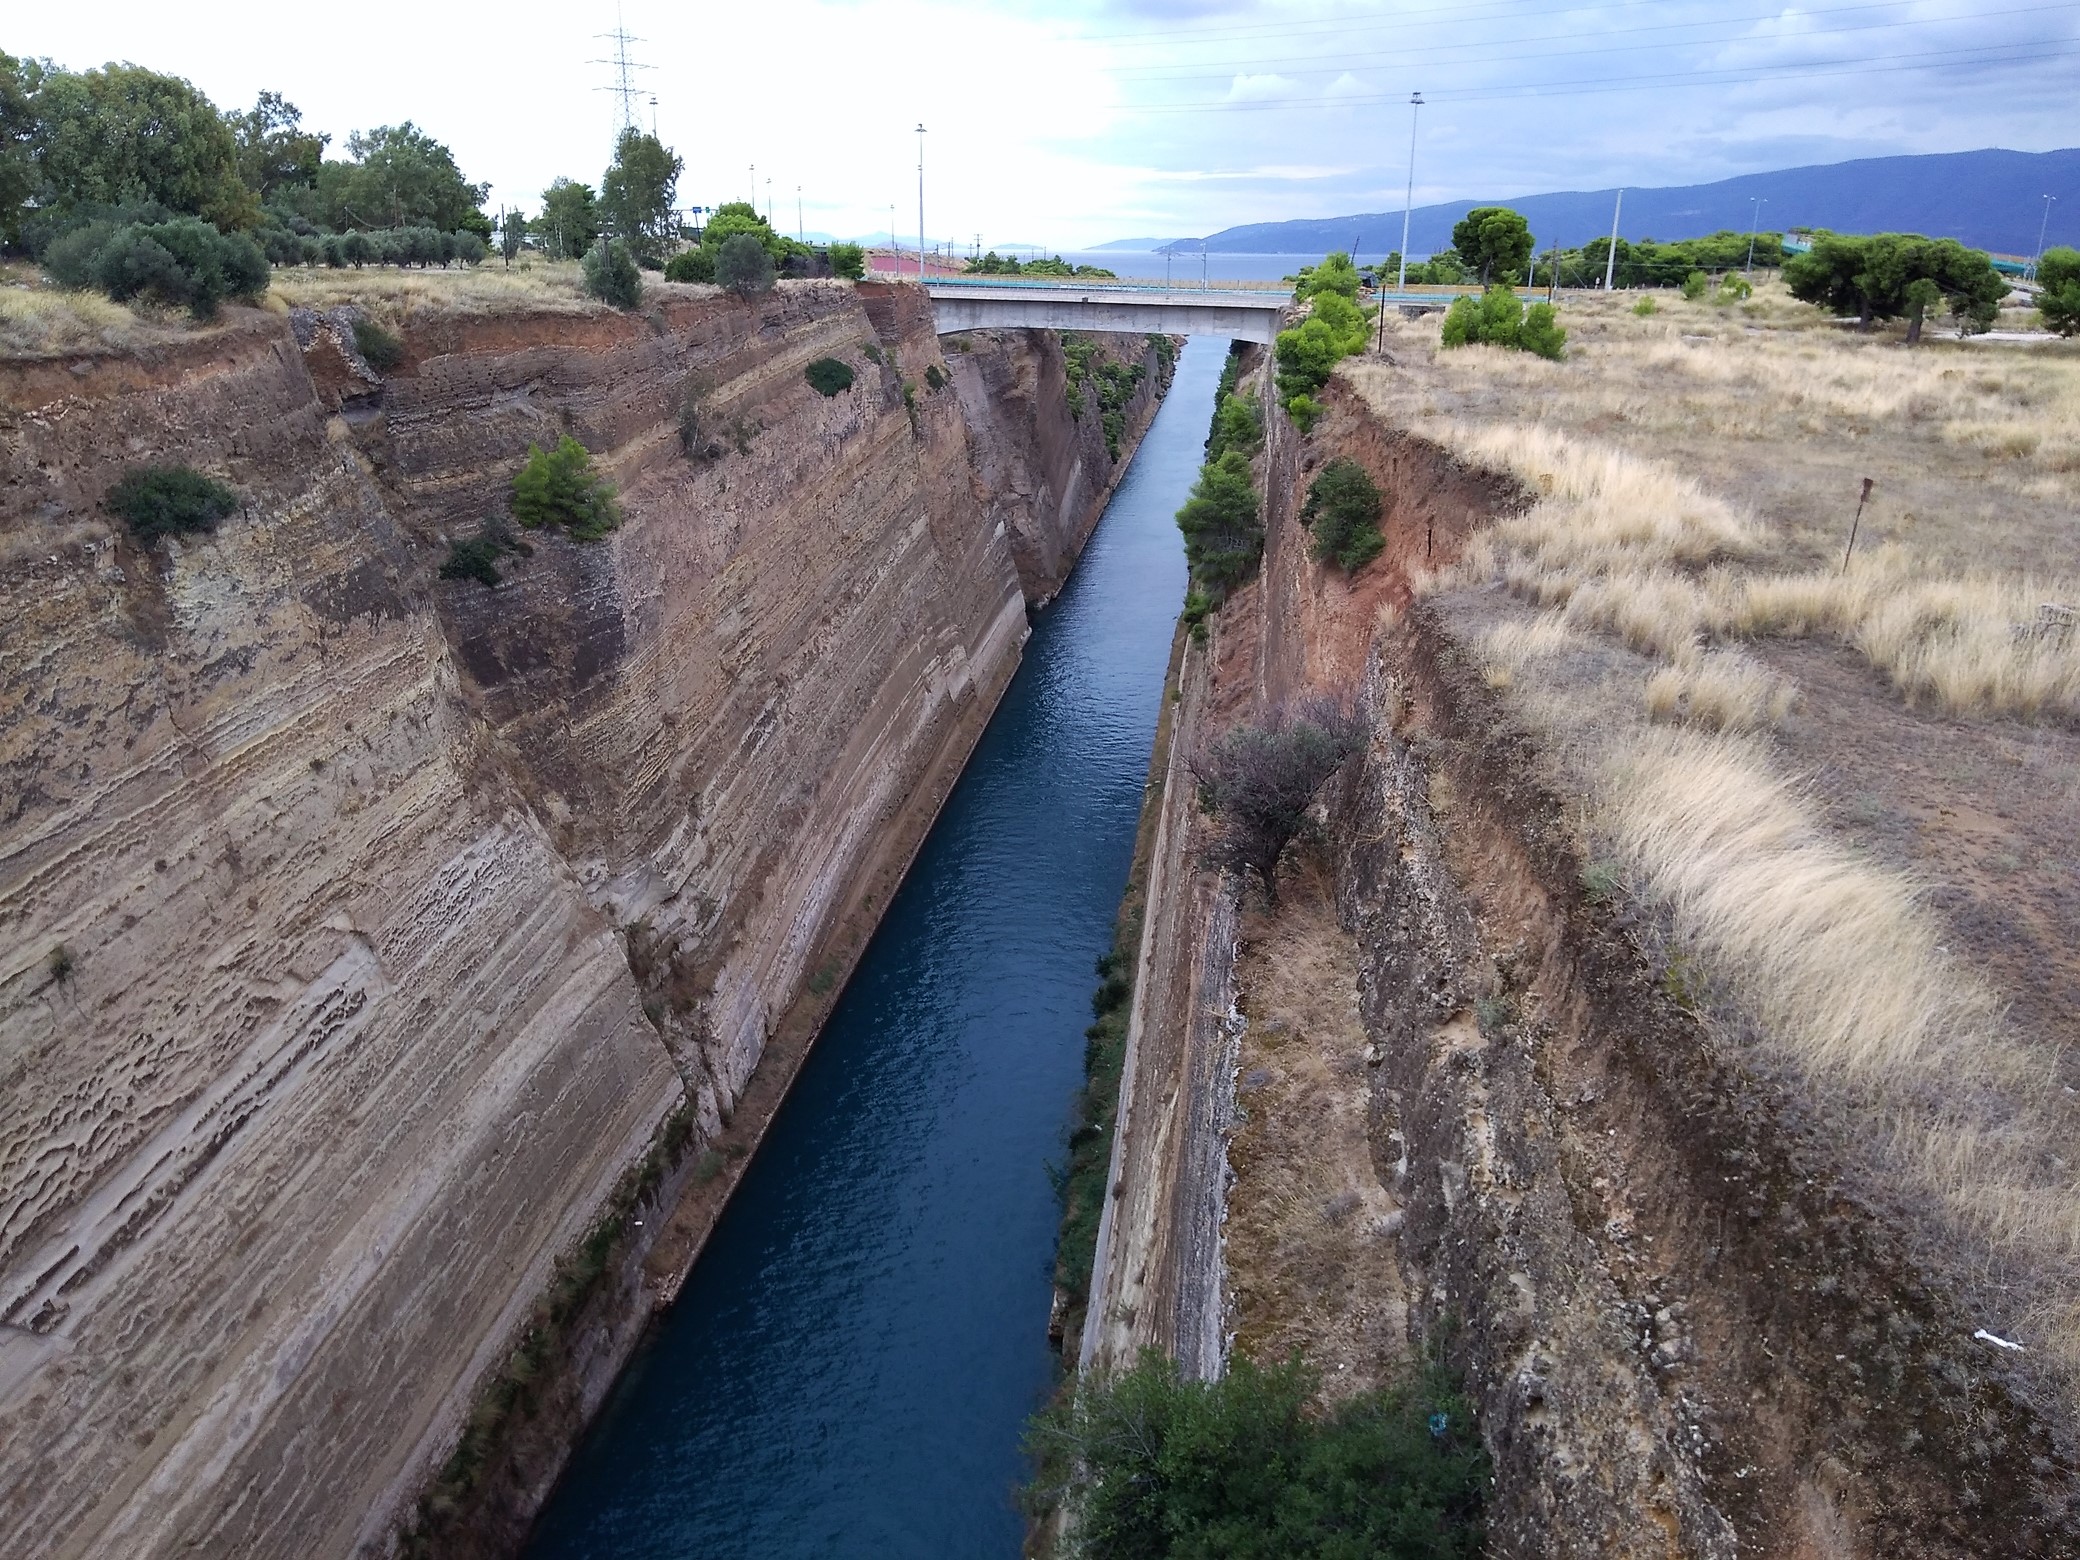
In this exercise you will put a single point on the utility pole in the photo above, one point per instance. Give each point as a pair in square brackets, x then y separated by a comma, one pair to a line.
[769, 200]
[1754, 222]
[1202, 265]
[753, 196]
[1610, 264]
[800, 236]
[2043, 227]
[1415, 107]
[653, 117]
[920, 204]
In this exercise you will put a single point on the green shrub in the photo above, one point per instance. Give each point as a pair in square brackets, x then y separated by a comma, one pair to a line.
[1308, 352]
[2058, 290]
[611, 274]
[1498, 318]
[934, 377]
[1734, 289]
[558, 487]
[872, 354]
[743, 266]
[477, 558]
[691, 265]
[157, 501]
[848, 261]
[1237, 425]
[184, 263]
[1249, 1468]
[1694, 285]
[380, 347]
[1222, 535]
[828, 376]
[1542, 333]
[1343, 509]
[1644, 307]
[470, 249]
[1260, 779]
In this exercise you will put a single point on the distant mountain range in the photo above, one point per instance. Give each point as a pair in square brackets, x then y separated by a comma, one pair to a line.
[1992, 199]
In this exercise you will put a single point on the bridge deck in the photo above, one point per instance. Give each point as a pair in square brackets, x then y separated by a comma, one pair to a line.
[1111, 306]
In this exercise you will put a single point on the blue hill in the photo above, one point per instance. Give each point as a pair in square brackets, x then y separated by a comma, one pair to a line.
[1992, 199]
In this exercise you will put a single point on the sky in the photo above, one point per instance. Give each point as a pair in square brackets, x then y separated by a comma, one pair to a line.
[1067, 123]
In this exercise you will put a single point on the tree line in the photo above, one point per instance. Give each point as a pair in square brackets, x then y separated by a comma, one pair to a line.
[133, 181]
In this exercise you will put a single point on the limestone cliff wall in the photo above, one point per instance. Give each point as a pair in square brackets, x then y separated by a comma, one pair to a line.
[359, 928]
[1046, 469]
[1685, 1328]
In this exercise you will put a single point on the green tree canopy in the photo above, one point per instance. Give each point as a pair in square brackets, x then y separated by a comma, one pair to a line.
[1493, 242]
[1335, 274]
[849, 261]
[1873, 277]
[19, 80]
[275, 152]
[743, 265]
[1222, 535]
[2058, 290]
[570, 219]
[403, 177]
[123, 135]
[636, 193]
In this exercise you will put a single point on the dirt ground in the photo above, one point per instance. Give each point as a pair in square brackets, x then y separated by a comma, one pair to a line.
[1310, 1234]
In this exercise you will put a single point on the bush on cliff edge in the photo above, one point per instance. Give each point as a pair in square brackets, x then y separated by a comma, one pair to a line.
[156, 501]
[1249, 1467]
[559, 487]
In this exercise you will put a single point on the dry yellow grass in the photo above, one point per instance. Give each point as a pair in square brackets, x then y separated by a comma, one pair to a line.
[1691, 477]
[1628, 545]
[37, 322]
[396, 293]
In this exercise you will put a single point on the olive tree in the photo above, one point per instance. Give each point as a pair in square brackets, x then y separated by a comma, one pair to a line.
[743, 266]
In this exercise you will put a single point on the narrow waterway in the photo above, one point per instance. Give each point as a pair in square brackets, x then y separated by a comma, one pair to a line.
[848, 1369]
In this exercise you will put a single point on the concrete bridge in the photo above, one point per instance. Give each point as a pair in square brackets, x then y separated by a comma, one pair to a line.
[982, 304]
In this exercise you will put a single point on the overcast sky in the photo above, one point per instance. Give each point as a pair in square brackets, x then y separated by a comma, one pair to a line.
[1072, 122]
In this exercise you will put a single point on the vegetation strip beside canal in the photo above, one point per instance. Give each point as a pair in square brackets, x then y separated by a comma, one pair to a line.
[1082, 1182]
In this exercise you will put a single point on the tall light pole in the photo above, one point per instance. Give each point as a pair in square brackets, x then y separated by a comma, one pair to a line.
[653, 118]
[2043, 227]
[799, 236]
[769, 200]
[920, 205]
[1754, 222]
[1610, 262]
[753, 196]
[1415, 107]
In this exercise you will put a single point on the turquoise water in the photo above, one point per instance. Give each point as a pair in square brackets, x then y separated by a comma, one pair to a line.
[849, 1367]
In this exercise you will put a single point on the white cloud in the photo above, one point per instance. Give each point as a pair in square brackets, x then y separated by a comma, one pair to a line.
[1074, 124]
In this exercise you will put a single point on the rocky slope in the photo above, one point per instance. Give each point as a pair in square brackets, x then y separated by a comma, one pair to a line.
[1687, 1331]
[361, 930]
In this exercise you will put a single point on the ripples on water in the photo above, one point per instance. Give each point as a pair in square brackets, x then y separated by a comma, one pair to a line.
[851, 1363]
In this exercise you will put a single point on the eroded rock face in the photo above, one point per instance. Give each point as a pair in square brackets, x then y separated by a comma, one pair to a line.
[358, 927]
[1043, 465]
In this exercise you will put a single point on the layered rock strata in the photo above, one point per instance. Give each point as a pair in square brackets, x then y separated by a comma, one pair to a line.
[1687, 1328]
[360, 927]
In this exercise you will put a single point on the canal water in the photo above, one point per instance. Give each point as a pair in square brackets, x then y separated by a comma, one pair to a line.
[850, 1365]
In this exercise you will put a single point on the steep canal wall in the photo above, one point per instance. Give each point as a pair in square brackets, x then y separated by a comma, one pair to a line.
[384, 954]
[1687, 1329]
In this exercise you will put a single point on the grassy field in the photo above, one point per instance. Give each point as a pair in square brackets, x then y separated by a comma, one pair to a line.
[1851, 793]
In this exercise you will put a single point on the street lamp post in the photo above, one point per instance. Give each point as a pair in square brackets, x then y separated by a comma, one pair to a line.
[1754, 222]
[2043, 227]
[1415, 107]
[920, 205]
[800, 237]
[1610, 261]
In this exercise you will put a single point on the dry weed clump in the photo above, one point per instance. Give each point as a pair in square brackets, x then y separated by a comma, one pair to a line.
[1720, 690]
[39, 322]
